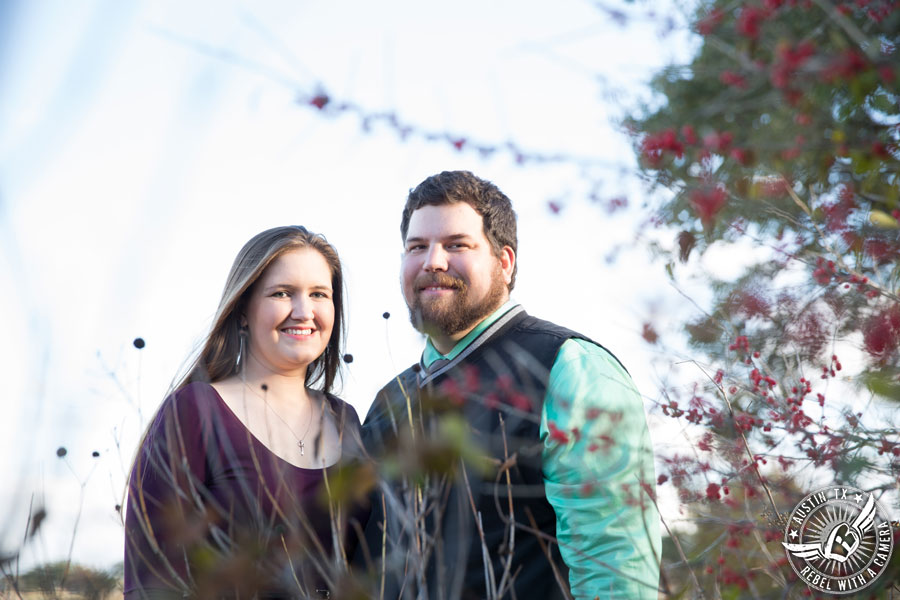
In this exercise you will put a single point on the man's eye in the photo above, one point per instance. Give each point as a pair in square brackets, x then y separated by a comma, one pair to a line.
[415, 248]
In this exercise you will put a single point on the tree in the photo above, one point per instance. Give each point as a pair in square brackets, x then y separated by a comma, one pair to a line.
[54, 578]
[782, 135]
[785, 130]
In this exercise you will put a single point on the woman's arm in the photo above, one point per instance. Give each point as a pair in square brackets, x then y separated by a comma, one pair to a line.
[165, 513]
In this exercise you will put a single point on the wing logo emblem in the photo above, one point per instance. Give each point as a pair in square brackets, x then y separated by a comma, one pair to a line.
[843, 540]
[838, 540]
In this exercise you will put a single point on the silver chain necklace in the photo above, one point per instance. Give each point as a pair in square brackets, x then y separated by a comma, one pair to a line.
[299, 439]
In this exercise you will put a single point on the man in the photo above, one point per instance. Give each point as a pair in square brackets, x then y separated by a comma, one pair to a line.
[558, 493]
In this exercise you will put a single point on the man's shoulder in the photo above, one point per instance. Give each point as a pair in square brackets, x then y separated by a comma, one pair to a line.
[394, 390]
[384, 415]
[535, 325]
[401, 379]
[572, 344]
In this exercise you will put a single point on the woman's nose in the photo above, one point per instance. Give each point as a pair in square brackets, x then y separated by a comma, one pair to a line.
[302, 310]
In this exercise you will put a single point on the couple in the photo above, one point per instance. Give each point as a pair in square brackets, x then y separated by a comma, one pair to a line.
[514, 459]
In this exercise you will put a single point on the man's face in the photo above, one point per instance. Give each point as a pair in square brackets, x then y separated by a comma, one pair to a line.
[450, 277]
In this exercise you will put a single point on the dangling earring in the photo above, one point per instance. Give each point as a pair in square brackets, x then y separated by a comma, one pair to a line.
[242, 336]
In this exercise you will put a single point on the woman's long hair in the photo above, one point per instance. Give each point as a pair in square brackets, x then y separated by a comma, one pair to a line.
[219, 357]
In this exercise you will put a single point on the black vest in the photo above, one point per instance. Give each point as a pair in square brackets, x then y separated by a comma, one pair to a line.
[503, 373]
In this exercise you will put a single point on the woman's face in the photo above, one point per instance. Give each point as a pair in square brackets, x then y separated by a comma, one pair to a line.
[290, 313]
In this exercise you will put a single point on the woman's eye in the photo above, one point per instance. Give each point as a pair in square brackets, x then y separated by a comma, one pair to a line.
[319, 295]
[280, 294]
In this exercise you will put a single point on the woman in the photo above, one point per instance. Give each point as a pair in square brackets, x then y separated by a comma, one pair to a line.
[229, 493]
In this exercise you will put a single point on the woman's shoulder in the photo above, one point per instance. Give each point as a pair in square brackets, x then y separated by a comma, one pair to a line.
[349, 429]
[190, 403]
[193, 394]
[344, 410]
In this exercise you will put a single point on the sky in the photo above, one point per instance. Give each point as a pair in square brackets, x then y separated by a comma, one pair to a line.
[143, 143]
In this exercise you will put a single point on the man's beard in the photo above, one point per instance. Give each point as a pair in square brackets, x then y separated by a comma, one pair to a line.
[449, 316]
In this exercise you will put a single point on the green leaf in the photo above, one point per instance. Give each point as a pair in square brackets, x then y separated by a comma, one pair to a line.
[883, 383]
[884, 103]
[862, 162]
[892, 196]
[731, 593]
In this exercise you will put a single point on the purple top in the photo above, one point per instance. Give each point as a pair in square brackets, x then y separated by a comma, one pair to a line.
[213, 512]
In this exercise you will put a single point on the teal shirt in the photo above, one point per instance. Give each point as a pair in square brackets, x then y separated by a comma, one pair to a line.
[607, 526]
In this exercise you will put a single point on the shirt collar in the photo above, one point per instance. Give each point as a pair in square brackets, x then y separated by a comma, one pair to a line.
[431, 354]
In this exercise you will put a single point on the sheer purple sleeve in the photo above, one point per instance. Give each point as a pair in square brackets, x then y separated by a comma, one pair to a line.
[164, 510]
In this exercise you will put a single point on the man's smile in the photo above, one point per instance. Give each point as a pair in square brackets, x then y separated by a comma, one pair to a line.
[438, 283]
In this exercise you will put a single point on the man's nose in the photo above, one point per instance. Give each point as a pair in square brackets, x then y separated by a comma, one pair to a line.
[435, 259]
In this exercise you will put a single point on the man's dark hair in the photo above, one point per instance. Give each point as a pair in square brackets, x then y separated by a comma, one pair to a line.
[449, 187]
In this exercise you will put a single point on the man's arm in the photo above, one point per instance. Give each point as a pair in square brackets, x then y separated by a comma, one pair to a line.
[598, 462]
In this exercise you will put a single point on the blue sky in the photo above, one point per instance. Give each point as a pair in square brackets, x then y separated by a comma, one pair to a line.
[141, 144]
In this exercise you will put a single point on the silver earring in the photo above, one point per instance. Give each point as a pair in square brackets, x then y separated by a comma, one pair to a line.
[242, 336]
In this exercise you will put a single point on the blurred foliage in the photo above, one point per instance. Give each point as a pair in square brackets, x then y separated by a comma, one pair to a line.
[782, 137]
[783, 132]
[778, 149]
[62, 579]
[735, 551]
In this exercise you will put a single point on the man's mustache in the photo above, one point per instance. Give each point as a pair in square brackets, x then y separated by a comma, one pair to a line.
[440, 280]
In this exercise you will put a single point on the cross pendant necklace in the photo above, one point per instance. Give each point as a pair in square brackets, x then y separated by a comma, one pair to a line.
[300, 443]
